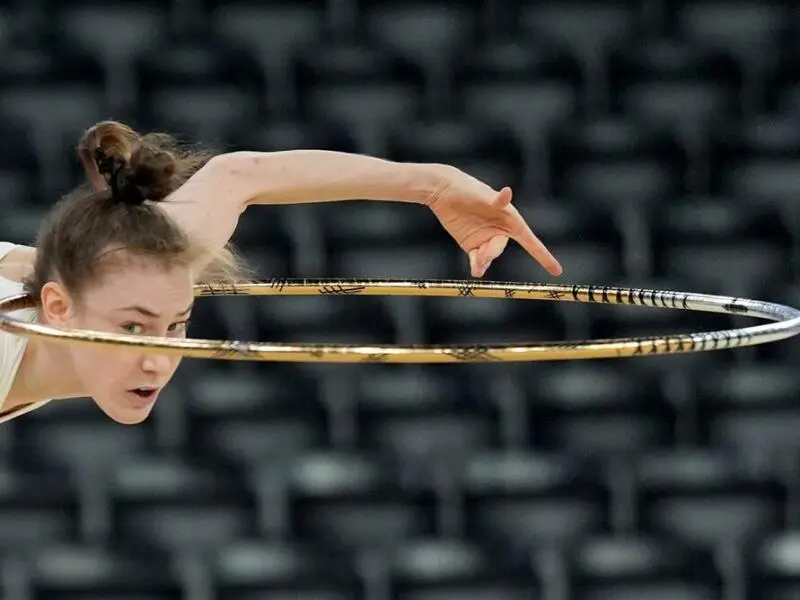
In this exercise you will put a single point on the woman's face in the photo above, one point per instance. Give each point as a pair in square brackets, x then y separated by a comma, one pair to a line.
[142, 298]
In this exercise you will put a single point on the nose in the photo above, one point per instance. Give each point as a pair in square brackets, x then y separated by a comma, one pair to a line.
[157, 363]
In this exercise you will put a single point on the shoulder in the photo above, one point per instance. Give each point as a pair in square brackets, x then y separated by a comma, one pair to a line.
[16, 262]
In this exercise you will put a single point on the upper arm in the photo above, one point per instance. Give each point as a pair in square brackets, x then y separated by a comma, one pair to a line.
[18, 264]
[208, 206]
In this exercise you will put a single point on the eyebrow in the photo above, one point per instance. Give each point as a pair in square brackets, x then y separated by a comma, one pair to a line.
[149, 313]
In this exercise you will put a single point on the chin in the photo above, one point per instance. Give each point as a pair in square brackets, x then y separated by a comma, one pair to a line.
[125, 416]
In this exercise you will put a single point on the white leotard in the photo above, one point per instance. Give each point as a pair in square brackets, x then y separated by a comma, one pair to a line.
[12, 347]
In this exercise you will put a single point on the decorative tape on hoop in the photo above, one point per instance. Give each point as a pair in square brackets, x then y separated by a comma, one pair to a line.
[785, 324]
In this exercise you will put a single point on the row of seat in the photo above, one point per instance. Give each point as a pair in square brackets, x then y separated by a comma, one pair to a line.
[597, 568]
[601, 161]
[272, 27]
[184, 81]
[241, 417]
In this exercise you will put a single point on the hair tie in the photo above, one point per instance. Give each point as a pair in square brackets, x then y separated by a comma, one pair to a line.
[114, 172]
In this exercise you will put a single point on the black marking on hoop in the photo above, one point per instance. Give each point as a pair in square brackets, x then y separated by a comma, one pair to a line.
[422, 284]
[220, 289]
[472, 354]
[736, 308]
[316, 352]
[340, 290]
[575, 292]
[277, 283]
[556, 294]
[509, 293]
[466, 290]
[377, 358]
[236, 349]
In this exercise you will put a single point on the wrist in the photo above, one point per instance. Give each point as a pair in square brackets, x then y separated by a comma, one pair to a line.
[422, 183]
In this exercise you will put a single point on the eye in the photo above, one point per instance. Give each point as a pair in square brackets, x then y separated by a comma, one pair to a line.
[133, 328]
[179, 327]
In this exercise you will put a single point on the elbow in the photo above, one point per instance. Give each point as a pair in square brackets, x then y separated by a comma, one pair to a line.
[236, 174]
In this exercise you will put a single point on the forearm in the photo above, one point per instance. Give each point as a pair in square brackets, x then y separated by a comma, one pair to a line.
[304, 176]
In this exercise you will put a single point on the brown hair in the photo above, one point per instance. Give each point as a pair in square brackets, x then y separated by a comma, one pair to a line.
[123, 169]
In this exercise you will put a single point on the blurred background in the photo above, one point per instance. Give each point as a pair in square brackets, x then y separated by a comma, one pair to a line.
[650, 143]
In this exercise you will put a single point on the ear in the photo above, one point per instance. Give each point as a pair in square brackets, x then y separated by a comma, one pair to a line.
[57, 305]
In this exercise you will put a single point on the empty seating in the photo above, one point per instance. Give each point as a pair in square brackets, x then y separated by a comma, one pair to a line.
[772, 565]
[345, 499]
[161, 503]
[449, 569]
[363, 87]
[199, 91]
[629, 567]
[528, 86]
[248, 569]
[678, 85]
[650, 144]
[598, 409]
[525, 500]
[62, 571]
[707, 497]
[422, 415]
[613, 161]
[38, 506]
[254, 417]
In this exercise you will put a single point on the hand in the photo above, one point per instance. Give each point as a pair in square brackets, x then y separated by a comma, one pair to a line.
[482, 220]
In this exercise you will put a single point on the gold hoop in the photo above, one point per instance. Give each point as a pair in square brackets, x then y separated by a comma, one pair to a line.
[786, 324]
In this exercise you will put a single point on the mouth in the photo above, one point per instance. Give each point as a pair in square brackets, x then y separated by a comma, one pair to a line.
[145, 394]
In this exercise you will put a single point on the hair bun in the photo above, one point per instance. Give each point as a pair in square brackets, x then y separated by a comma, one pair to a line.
[119, 178]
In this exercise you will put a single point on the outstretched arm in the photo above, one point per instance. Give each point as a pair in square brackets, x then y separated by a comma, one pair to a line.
[478, 217]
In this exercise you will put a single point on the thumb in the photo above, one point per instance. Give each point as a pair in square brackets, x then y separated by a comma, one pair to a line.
[503, 198]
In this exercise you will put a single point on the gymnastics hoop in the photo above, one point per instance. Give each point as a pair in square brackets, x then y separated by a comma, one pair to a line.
[786, 324]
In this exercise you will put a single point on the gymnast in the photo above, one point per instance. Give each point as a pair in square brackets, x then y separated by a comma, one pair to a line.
[122, 252]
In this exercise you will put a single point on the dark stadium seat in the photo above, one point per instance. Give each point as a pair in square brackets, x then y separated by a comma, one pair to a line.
[446, 569]
[525, 500]
[586, 27]
[359, 85]
[751, 407]
[772, 567]
[114, 32]
[617, 162]
[254, 417]
[709, 219]
[429, 260]
[170, 503]
[526, 85]
[584, 262]
[421, 415]
[63, 572]
[292, 134]
[38, 506]
[738, 27]
[674, 84]
[596, 408]
[245, 570]
[197, 89]
[348, 499]
[630, 567]
[430, 31]
[782, 81]
[76, 433]
[728, 268]
[757, 158]
[327, 319]
[272, 30]
[707, 497]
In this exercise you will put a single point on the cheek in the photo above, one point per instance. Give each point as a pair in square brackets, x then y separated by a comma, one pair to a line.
[98, 365]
